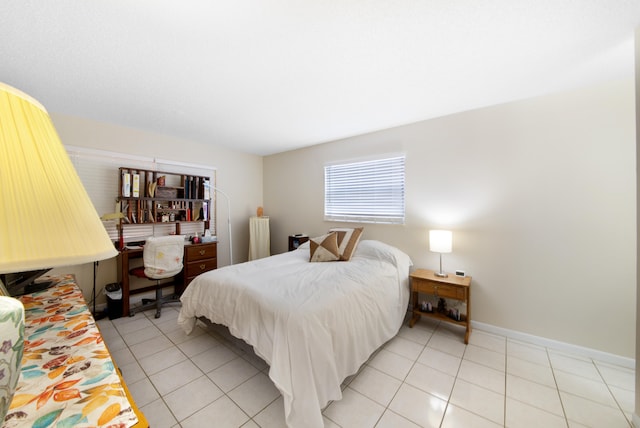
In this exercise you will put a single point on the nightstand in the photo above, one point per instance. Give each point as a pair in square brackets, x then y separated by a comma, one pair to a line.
[452, 287]
[296, 240]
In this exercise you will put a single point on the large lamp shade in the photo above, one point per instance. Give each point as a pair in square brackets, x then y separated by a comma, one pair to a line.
[46, 217]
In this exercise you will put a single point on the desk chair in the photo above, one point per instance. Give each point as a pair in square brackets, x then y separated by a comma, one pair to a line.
[162, 259]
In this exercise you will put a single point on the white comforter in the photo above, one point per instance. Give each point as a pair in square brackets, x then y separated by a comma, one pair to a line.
[313, 323]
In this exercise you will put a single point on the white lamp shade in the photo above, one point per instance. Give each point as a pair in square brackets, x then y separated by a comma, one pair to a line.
[46, 217]
[440, 241]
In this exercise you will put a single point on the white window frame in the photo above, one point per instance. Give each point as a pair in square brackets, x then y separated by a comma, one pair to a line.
[370, 190]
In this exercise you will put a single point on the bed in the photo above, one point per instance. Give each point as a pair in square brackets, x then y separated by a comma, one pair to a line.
[313, 323]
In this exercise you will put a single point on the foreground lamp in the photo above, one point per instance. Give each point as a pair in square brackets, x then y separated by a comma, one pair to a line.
[46, 219]
[440, 241]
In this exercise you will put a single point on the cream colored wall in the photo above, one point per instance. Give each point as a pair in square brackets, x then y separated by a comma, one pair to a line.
[540, 195]
[636, 414]
[239, 175]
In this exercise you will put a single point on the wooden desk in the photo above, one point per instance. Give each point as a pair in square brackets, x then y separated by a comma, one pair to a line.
[198, 258]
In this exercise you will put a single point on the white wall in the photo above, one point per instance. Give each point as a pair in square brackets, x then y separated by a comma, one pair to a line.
[239, 175]
[540, 195]
[636, 414]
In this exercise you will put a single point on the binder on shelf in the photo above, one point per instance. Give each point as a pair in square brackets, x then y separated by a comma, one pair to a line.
[206, 190]
[187, 187]
[126, 184]
[136, 186]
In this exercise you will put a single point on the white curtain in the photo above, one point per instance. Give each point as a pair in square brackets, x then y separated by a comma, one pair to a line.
[259, 238]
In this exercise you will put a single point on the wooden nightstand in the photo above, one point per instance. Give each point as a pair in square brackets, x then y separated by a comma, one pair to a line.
[452, 287]
[296, 240]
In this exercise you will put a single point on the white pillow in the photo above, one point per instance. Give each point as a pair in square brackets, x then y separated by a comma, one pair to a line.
[304, 246]
[377, 250]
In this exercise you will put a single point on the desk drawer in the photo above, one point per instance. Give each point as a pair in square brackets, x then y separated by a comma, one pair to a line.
[440, 290]
[196, 268]
[200, 252]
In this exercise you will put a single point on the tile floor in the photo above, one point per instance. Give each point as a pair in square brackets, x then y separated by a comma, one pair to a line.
[424, 377]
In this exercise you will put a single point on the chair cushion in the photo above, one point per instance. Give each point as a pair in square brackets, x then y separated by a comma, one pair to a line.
[138, 271]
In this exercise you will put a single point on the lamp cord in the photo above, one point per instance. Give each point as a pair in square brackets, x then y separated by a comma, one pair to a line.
[228, 222]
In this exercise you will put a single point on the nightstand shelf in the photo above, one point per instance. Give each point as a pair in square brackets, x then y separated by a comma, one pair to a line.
[452, 287]
[441, 316]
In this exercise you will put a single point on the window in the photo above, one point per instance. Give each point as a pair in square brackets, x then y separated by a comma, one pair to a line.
[369, 191]
[98, 171]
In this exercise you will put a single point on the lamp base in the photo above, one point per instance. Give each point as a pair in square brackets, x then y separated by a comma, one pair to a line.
[441, 274]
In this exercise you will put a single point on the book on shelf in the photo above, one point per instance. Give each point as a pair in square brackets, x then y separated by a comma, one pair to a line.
[194, 187]
[187, 187]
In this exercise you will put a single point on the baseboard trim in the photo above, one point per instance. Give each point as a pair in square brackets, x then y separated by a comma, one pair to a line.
[605, 357]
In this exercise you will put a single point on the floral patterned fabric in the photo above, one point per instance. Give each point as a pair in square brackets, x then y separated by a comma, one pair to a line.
[68, 378]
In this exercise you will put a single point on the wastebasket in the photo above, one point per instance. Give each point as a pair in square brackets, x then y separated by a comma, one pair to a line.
[114, 300]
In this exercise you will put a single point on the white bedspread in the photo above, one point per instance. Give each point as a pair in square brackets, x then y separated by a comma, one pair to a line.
[313, 323]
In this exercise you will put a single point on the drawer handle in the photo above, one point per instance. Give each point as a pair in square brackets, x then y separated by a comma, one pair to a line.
[203, 266]
[202, 252]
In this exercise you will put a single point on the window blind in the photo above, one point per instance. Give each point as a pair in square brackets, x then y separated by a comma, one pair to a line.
[98, 171]
[369, 191]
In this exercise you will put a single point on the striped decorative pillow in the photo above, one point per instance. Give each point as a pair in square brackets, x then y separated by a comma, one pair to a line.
[348, 239]
[324, 248]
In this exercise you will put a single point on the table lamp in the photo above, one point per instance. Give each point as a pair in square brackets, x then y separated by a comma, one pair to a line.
[440, 241]
[46, 217]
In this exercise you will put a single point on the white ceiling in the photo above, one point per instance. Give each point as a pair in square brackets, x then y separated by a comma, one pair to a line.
[265, 76]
